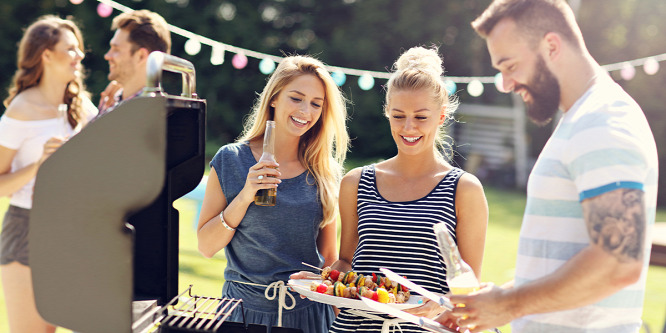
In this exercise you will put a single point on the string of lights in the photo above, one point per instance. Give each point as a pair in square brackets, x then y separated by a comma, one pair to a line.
[366, 78]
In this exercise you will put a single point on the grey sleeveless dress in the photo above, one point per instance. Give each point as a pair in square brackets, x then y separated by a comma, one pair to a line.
[270, 244]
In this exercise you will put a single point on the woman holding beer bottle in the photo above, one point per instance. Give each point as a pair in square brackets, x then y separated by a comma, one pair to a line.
[301, 113]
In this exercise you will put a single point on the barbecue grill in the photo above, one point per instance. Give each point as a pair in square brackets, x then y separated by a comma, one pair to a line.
[103, 230]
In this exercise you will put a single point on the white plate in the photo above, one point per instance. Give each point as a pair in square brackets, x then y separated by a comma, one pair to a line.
[303, 288]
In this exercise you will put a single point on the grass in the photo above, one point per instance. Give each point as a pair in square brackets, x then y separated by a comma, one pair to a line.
[506, 208]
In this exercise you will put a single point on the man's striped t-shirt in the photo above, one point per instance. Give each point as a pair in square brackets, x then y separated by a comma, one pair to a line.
[601, 144]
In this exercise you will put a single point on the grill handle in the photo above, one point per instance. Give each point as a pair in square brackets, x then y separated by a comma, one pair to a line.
[160, 61]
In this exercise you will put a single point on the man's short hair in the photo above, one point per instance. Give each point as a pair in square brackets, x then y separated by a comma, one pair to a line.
[535, 18]
[146, 29]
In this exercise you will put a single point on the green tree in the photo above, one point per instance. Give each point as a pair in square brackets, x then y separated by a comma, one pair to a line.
[365, 34]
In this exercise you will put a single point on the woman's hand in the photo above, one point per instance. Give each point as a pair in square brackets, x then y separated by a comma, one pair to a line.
[49, 148]
[448, 320]
[305, 275]
[429, 309]
[263, 175]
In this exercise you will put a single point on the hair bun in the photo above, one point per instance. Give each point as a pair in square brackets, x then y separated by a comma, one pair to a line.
[421, 59]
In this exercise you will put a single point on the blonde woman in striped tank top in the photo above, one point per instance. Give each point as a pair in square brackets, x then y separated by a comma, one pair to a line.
[388, 209]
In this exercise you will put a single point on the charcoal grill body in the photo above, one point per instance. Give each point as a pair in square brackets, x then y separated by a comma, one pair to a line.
[103, 230]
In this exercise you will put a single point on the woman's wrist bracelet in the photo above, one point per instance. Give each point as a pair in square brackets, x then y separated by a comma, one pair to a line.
[224, 223]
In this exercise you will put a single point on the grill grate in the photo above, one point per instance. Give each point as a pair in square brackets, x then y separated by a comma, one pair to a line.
[192, 314]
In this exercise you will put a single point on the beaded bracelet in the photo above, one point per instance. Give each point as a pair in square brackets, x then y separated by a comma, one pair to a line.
[224, 223]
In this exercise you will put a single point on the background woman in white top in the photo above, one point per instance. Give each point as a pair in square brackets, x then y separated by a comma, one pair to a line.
[49, 75]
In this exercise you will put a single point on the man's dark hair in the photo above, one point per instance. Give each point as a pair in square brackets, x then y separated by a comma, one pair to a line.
[534, 18]
[146, 29]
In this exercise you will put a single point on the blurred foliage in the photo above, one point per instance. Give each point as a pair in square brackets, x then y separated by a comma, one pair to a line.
[620, 30]
[361, 34]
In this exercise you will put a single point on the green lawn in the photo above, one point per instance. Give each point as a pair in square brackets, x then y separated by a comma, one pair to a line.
[506, 209]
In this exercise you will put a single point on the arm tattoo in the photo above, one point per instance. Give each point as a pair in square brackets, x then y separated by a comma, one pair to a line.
[616, 222]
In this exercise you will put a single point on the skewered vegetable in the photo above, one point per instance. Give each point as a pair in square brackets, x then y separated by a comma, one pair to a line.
[353, 285]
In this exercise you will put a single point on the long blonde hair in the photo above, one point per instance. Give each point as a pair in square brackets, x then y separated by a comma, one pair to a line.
[44, 34]
[322, 149]
[421, 68]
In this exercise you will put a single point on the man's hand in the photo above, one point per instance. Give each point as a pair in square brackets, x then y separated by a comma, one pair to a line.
[485, 309]
[106, 98]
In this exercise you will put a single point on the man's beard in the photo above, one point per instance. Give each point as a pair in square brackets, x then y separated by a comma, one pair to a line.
[545, 92]
[112, 75]
[120, 73]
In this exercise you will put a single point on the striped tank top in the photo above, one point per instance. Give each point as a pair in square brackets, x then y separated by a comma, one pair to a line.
[399, 236]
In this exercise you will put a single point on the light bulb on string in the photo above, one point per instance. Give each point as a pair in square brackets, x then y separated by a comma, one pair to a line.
[628, 71]
[192, 46]
[104, 10]
[499, 83]
[239, 61]
[651, 66]
[450, 87]
[217, 55]
[339, 77]
[366, 81]
[266, 66]
[475, 88]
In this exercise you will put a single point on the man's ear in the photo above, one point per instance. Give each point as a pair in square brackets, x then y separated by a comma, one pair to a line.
[143, 54]
[552, 45]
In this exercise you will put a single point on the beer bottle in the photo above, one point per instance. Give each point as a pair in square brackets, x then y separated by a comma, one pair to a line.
[267, 197]
[459, 275]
